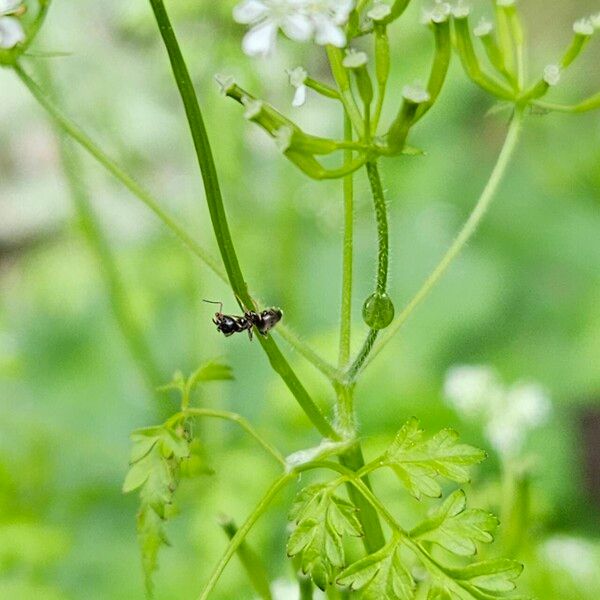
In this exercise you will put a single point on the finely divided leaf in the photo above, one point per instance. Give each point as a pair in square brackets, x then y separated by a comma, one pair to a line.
[381, 575]
[156, 458]
[210, 371]
[488, 579]
[456, 528]
[418, 462]
[322, 520]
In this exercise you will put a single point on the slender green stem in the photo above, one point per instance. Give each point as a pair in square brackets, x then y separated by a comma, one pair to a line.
[343, 82]
[243, 423]
[219, 219]
[71, 129]
[243, 531]
[348, 247]
[111, 166]
[373, 539]
[253, 565]
[362, 355]
[591, 103]
[382, 261]
[469, 228]
[382, 226]
[117, 292]
[115, 285]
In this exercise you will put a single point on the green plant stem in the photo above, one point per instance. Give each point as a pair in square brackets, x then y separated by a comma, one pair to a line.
[219, 218]
[362, 355]
[591, 103]
[243, 531]
[243, 423]
[111, 166]
[253, 566]
[72, 130]
[382, 226]
[373, 539]
[382, 261]
[465, 234]
[348, 247]
[117, 292]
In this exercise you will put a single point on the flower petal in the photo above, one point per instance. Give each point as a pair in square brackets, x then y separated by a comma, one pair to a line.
[11, 32]
[9, 6]
[248, 11]
[260, 40]
[299, 96]
[297, 27]
[328, 33]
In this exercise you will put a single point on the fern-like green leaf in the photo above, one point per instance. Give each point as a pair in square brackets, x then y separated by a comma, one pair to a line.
[486, 580]
[456, 528]
[322, 519]
[156, 457]
[381, 575]
[418, 462]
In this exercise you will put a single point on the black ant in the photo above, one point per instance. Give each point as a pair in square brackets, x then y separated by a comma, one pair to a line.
[230, 324]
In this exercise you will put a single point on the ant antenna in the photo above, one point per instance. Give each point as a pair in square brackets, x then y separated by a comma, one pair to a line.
[213, 302]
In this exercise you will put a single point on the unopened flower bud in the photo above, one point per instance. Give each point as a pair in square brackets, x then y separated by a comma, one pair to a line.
[552, 74]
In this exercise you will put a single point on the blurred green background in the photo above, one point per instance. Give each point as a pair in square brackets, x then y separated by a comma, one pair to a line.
[524, 297]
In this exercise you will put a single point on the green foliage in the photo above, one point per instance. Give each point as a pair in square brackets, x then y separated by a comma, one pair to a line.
[322, 519]
[456, 528]
[488, 579]
[156, 458]
[380, 575]
[417, 461]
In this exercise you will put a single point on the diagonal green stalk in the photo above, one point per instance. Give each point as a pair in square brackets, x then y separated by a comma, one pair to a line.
[348, 244]
[115, 285]
[465, 234]
[219, 219]
[238, 420]
[77, 134]
[243, 531]
[117, 292]
[253, 565]
[382, 260]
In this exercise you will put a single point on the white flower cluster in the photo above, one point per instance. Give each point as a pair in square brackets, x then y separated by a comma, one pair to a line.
[11, 30]
[577, 556]
[301, 20]
[508, 414]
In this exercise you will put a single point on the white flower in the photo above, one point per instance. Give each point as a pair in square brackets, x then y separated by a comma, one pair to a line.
[11, 30]
[266, 17]
[380, 11]
[415, 93]
[574, 555]
[300, 20]
[328, 18]
[355, 59]
[552, 74]
[484, 27]
[595, 20]
[297, 78]
[507, 415]
[461, 10]
[583, 27]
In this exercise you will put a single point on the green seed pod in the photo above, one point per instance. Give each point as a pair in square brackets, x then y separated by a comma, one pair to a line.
[378, 311]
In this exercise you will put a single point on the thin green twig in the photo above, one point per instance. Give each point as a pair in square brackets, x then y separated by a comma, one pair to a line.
[219, 218]
[465, 234]
[243, 531]
[75, 132]
[243, 423]
[347, 260]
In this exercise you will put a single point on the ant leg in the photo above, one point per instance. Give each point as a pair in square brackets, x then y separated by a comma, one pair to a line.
[250, 332]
